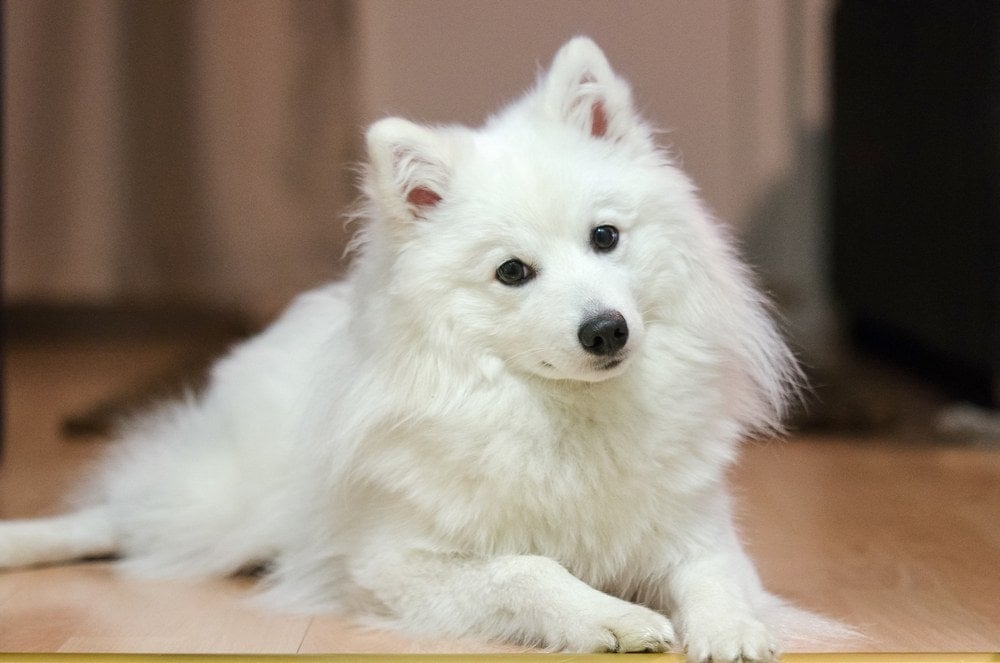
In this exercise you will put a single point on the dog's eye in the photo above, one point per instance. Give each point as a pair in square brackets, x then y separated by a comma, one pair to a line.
[604, 238]
[514, 272]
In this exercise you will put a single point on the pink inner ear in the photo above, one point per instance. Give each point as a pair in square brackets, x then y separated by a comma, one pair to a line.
[598, 120]
[421, 196]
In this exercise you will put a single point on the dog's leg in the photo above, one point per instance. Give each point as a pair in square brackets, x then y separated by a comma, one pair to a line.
[65, 538]
[517, 598]
[715, 592]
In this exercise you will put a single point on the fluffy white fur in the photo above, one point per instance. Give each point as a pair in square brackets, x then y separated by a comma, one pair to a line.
[434, 450]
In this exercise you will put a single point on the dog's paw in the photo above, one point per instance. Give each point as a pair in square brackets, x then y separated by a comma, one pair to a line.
[745, 641]
[620, 627]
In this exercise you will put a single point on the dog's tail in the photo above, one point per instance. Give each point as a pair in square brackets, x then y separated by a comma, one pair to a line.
[81, 535]
[801, 630]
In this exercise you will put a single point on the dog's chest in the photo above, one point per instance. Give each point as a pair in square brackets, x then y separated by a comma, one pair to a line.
[562, 482]
[589, 484]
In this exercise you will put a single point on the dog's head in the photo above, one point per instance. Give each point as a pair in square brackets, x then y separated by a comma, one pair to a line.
[553, 238]
[518, 240]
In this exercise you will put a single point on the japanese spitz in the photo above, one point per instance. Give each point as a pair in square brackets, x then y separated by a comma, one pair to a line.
[513, 420]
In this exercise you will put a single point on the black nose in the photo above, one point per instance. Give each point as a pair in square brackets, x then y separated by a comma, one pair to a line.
[604, 334]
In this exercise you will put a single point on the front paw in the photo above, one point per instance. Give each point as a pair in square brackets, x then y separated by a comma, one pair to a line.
[619, 627]
[736, 641]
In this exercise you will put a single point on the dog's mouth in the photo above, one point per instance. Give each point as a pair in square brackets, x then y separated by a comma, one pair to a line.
[606, 366]
[593, 371]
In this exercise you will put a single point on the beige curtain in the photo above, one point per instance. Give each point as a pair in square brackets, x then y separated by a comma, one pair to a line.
[176, 150]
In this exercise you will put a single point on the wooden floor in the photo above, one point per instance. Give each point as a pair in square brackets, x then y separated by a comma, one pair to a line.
[895, 534]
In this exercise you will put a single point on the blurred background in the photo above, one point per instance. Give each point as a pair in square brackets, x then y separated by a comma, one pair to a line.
[175, 171]
[177, 160]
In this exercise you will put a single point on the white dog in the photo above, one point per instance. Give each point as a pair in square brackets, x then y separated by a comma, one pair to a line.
[513, 421]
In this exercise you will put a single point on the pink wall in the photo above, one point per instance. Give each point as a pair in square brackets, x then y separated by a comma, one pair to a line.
[116, 189]
[716, 74]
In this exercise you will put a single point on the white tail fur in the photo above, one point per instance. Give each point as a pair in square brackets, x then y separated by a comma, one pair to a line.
[799, 629]
[75, 536]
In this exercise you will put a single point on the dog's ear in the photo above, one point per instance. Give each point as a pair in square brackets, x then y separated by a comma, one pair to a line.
[581, 89]
[410, 166]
